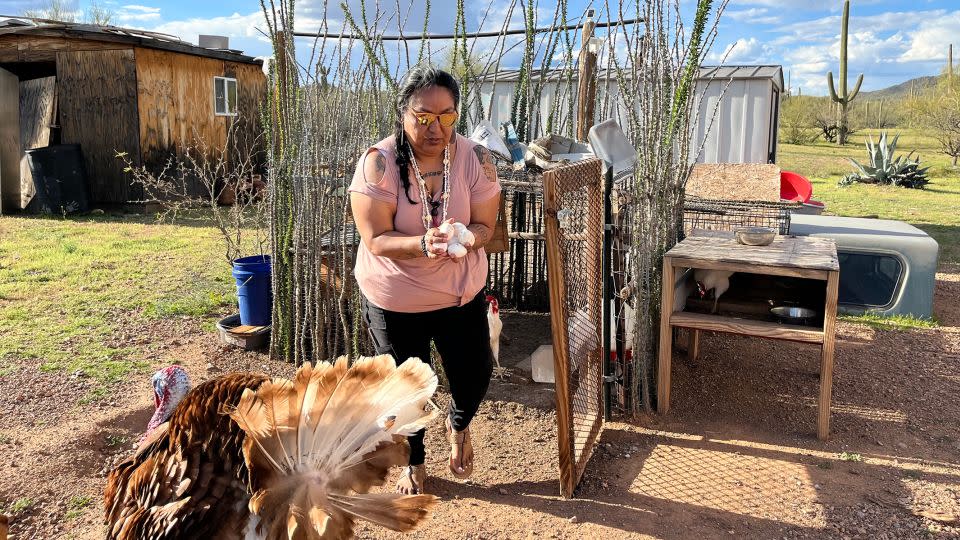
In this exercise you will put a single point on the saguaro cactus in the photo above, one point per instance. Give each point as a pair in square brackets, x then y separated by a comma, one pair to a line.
[844, 98]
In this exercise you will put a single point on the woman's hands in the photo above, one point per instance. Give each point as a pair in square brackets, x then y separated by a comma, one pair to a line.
[436, 243]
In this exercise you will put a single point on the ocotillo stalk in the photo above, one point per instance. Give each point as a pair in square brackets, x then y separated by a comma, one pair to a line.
[844, 98]
[950, 66]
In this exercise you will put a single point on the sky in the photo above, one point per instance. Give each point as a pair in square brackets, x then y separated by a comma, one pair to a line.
[890, 41]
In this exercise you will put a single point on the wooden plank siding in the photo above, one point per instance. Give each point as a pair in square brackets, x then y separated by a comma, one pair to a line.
[9, 140]
[97, 96]
[18, 48]
[177, 102]
[38, 104]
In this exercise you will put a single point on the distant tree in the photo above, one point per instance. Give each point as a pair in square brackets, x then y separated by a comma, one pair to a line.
[60, 10]
[99, 14]
[55, 10]
[797, 120]
[937, 111]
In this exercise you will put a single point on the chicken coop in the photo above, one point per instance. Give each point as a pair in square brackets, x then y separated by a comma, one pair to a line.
[518, 276]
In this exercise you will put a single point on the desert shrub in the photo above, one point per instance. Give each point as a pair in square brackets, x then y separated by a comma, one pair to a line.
[885, 169]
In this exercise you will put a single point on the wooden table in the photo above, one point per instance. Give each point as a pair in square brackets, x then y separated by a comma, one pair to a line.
[799, 257]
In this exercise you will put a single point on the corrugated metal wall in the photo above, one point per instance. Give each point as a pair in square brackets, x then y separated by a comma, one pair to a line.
[744, 130]
[744, 123]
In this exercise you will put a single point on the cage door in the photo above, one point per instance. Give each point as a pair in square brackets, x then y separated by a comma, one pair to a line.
[573, 198]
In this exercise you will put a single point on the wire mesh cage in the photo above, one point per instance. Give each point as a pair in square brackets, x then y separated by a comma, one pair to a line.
[726, 215]
[518, 276]
[574, 197]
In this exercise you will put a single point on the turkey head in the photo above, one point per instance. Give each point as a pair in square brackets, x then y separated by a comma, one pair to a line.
[170, 386]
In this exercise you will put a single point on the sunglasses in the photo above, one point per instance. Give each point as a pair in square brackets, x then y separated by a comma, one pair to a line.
[446, 119]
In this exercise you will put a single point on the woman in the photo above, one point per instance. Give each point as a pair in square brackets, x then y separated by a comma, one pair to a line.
[404, 188]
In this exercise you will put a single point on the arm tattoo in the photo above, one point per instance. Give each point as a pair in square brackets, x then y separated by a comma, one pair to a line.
[381, 164]
[482, 234]
[486, 162]
[380, 168]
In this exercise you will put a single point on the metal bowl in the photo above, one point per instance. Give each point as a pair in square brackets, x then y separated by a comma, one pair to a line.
[794, 315]
[755, 236]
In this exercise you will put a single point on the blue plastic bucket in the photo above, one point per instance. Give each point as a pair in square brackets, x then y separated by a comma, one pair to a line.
[253, 289]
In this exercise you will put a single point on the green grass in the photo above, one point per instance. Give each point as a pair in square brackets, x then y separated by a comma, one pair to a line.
[935, 209]
[21, 505]
[74, 292]
[851, 456]
[76, 505]
[117, 440]
[892, 322]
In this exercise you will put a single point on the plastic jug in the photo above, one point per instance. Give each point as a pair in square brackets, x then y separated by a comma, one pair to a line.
[541, 364]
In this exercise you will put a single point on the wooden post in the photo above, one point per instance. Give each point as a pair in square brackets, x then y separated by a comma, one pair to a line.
[693, 348]
[826, 358]
[587, 89]
[666, 337]
[558, 324]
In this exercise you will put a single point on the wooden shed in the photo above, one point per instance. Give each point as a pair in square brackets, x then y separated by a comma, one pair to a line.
[113, 90]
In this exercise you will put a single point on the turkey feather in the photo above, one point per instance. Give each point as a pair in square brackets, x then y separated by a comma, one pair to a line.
[246, 456]
[350, 429]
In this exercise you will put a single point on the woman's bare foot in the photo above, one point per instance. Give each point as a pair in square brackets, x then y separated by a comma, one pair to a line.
[461, 451]
[412, 479]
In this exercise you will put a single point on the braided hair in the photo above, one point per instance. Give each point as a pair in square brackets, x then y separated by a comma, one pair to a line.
[419, 78]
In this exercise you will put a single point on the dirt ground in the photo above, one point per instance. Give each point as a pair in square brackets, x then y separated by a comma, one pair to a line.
[736, 457]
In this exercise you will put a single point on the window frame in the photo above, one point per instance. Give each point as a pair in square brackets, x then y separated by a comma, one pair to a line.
[228, 110]
[901, 284]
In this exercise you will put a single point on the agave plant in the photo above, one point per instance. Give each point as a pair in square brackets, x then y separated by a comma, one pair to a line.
[884, 169]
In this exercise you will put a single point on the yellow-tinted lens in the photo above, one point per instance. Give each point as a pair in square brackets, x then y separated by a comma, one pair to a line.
[446, 119]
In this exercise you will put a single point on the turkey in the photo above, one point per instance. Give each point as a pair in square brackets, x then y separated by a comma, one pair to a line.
[246, 456]
[716, 280]
[496, 327]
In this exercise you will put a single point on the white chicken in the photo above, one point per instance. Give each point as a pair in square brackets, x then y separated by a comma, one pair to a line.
[496, 328]
[717, 281]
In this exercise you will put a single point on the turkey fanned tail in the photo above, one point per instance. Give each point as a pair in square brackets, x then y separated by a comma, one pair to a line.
[315, 445]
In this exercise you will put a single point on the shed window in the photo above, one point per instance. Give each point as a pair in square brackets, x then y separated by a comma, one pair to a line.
[225, 96]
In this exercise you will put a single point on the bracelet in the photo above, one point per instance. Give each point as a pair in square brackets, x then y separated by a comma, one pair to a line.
[423, 246]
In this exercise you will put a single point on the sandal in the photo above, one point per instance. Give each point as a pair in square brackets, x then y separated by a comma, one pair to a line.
[460, 440]
[412, 480]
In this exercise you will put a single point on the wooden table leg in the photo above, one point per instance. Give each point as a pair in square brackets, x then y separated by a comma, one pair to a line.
[666, 338]
[826, 357]
[693, 346]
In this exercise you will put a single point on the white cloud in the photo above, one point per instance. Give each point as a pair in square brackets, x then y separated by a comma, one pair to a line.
[752, 16]
[133, 12]
[928, 43]
[742, 51]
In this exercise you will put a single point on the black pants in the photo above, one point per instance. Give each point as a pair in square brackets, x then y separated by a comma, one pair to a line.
[462, 338]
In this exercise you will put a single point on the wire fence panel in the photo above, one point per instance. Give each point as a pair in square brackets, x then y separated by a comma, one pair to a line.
[727, 215]
[518, 276]
[573, 197]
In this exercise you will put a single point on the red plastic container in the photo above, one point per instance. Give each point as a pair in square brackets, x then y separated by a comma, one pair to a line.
[794, 187]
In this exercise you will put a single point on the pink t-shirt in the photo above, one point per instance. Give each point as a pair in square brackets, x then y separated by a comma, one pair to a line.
[423, 284]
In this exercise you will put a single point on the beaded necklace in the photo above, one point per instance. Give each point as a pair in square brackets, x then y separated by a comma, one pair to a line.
[425, 201]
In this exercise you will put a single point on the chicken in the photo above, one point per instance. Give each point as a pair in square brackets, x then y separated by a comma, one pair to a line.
[4, 524]
[246, 456]
[496, 328]
[717, 281]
